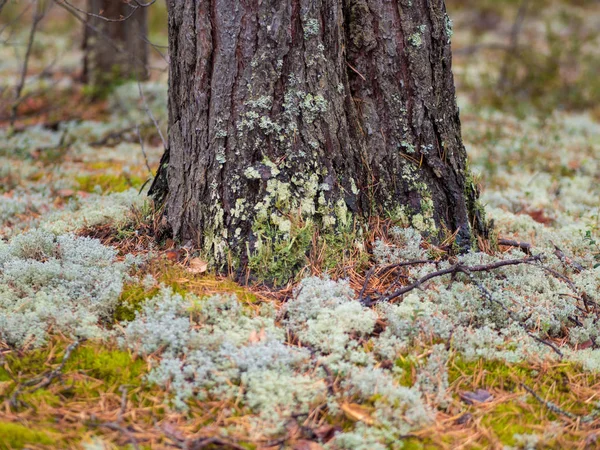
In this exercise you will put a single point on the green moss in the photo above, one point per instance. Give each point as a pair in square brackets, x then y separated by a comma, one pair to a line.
[4, 376]
[131, 300]
[113, 367]
[344, 246]
[286, 245]
[15, 435]
[27, 363]
[407, 364]
[242, 294]
[510, 418]
[416, 444]
[101, 165]
[280, 255]
[108, 182]
[491, 374]
[41, 398]
[524, 414]
[91, 371]
[183, 282]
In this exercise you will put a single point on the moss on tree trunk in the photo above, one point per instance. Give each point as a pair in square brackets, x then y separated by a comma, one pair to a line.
[284, 113]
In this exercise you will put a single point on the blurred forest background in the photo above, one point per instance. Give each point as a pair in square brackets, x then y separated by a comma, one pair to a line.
[527, 57]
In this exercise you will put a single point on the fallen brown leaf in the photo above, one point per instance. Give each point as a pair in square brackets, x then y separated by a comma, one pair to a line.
[66, 192]
[326, 432]
[587, 344]
[477, 396]
[257, 337]
[539, 215]
[197, 265]
[172, 255]
[356, 412]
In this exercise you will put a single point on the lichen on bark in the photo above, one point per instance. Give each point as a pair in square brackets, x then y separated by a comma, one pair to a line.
[320, 112]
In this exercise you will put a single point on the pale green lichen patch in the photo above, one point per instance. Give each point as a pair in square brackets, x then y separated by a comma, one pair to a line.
[313, 106]
[312, 27]
[268, 126]
[271, 165]
[409, 148]
[285, 220]
[416, 39]
[264, 102]
[220, 156]
[423, 220]
[448, 27]
[252, 174]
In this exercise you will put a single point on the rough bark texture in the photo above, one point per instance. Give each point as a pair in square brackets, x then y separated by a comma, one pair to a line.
[310, 110]
[114, 50]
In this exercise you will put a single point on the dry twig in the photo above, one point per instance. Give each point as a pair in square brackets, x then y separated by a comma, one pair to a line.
[558, 410]
[457, 268]
[46, 379]
[37, 18]
[525, 246]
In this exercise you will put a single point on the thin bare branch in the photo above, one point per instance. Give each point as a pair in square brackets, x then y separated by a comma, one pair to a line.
[558, 410]
[386, 269]
[117, 48]
[457, 268]
[52, 375]
[525, 246]
[514, 43]
[144, 151]
[149, 112]
[134, 8]
[37, 18]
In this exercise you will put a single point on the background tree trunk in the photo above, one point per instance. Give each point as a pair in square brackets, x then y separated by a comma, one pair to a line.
[311, 110]
[114, 50]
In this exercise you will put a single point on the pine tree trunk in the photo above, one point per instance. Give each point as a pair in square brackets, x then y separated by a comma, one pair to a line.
[115, 50]
[324, 111]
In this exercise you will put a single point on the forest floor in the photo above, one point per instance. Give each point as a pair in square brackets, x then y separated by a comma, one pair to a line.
[110, 339]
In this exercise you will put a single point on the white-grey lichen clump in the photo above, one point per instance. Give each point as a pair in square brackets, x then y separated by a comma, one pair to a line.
[68, 283]
[214, 347]
[113, 209]
[405, 245]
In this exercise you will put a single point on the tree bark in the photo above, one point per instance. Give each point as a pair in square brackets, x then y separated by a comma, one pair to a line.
[114, 50]
[326, 111]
